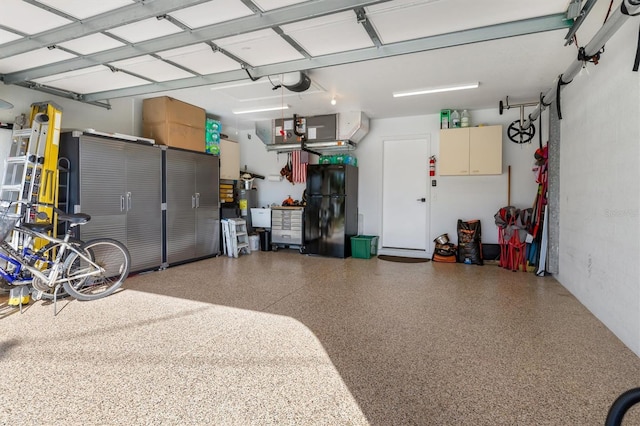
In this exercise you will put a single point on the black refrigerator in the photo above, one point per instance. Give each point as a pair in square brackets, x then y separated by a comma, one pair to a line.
[331, 213]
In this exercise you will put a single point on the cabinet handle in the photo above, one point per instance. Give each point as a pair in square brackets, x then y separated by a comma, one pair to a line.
[197, 200]
[193, 201]
[122, 203]
[129, 203]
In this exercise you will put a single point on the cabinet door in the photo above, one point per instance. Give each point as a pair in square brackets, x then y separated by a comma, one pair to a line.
[143, 204]
[181, 211]
[207, 208]
[229, 160]
[454, 152]
[485, 150]
[102, 182]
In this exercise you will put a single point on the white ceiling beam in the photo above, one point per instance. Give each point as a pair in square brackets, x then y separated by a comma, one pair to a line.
[95, 24]
[475, 35]
[281, 16]
[63, 94]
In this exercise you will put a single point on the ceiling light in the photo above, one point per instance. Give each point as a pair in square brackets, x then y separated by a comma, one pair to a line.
[333, 101]
[271, 108]
[437, 89]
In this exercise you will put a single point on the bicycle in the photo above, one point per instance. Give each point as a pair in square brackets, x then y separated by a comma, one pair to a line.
[85, 270]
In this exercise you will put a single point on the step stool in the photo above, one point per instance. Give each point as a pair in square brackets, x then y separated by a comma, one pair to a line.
[236, 238]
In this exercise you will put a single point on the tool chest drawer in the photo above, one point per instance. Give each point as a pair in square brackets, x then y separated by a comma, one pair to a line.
[287, 225]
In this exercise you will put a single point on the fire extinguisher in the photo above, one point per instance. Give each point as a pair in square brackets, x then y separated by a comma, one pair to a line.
[432, 165]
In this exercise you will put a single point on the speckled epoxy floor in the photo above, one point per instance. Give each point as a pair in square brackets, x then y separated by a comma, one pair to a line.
[286, 339]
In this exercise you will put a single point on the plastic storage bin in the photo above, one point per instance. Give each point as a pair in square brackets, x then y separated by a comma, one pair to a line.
[364, 246]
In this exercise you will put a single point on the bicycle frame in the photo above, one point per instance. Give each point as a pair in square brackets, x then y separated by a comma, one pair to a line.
[18, 260]
[26, 254]
[10, 278]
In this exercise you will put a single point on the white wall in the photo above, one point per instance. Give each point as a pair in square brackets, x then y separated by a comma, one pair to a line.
[599, 241]
[75, 115]
[254, 155]
[455, 196]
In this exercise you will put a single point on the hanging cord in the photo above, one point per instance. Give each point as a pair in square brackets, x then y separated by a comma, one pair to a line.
[560, 84]
[636, 62]
[540, 131]
[540, 118]
[250, 76]
[283, 130]
[582, 56]
[275, 86]
[609, 11]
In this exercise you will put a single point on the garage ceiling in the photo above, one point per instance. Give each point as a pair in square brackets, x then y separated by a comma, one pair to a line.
[227, 55]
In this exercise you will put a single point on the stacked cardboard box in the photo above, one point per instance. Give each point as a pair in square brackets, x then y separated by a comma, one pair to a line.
[174, 123]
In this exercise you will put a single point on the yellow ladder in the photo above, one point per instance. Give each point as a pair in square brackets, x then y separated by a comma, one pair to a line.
[46, 191]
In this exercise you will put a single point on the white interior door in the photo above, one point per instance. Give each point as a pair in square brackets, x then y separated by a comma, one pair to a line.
[405, 197]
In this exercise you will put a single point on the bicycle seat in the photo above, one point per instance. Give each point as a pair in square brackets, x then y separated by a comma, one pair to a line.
[38, 227]
[74, 218]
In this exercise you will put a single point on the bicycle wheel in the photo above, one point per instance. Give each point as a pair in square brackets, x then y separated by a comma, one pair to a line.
[111, 255]
[43, 259]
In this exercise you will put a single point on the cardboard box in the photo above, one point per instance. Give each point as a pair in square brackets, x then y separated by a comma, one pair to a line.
[175, 135]
[174, 123]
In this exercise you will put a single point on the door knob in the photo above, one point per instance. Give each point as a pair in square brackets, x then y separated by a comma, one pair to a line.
[422, 200]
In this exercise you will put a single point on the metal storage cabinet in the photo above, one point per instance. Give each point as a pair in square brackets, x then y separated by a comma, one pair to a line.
[193, 202]
[287, 227]
[119, 184]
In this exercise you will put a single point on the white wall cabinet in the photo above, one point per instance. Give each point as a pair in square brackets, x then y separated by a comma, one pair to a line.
[471, 151]
[229, 160]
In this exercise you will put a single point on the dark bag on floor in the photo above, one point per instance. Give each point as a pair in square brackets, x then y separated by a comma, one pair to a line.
[469, 242]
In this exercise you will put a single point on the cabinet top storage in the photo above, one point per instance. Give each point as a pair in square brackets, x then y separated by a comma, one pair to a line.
[287, 208]
[174, 123]
[466, 129]
[166, 109]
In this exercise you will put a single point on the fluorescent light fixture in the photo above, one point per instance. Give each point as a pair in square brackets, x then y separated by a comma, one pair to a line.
[271, 108]
[438, 89]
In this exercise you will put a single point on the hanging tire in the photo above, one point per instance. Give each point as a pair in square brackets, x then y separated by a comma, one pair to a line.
[519, 135]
